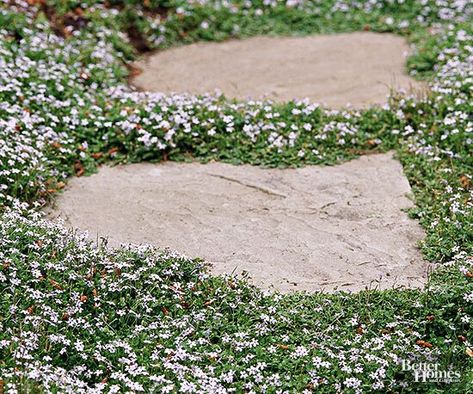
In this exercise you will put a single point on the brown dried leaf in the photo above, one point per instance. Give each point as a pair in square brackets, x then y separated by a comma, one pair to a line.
[465, 182]
[423, 343]
[79, 168]
[134, 71]
[55, 284]
[97, 155]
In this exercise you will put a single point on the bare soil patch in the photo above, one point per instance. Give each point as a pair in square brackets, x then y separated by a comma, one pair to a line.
[334, 70]
[313, 228]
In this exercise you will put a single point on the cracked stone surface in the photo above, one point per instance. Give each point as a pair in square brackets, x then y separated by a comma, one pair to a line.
[357, 68]
[312, 228]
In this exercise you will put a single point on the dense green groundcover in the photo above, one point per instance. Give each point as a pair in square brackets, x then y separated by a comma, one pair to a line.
[82, 318]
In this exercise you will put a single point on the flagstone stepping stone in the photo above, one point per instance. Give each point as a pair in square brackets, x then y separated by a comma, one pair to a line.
[312, 228]
[357, 68]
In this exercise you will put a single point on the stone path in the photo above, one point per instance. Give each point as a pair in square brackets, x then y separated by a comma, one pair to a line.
[313, 228]
[357, 68]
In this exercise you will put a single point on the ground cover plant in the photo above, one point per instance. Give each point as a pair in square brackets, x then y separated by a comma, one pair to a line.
[76, 317]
